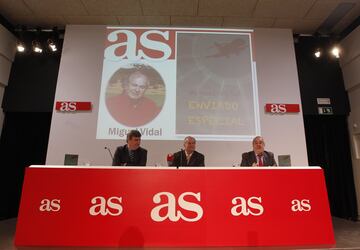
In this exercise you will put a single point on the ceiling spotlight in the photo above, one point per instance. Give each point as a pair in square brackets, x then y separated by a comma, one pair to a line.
[317, 53]
[52, 45]
[20, 47]
[335, 52]
[37, 47]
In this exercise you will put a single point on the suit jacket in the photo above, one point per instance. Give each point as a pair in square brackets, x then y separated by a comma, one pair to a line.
[249, 158]
[122, 158]
[196, 160]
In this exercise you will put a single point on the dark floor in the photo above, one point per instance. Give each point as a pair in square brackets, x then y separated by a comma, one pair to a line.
[347, 235]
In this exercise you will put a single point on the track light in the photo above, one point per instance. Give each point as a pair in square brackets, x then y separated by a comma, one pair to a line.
[44, 40]
[20, 47]
[335, 52]
[52, 45]
[37, 47]
[36, 44]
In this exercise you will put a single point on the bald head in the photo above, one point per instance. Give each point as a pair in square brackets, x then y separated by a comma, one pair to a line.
[136, 85]
[258, 145]
[189, 144]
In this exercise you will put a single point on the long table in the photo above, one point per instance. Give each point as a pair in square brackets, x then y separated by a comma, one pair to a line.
[163, 206]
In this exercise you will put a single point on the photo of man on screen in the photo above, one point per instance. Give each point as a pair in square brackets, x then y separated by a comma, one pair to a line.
[134, 105]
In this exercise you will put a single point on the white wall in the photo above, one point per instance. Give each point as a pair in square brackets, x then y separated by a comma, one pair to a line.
[7, 53]
[350, 64]
[79, 80]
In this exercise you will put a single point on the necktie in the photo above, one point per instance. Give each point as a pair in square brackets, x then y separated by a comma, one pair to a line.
[188, 159]
[132, 155]
[260, 162]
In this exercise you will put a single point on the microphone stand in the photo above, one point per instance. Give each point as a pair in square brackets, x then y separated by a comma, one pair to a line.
[108, 149]
[181, 158]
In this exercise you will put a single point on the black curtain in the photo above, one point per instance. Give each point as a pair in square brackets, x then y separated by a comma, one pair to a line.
[328, 146]
[28, 104]
[23, 142]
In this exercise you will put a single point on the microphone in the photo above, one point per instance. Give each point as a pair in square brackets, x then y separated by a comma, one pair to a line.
[108, 149]
[170, 159]
[181, 158]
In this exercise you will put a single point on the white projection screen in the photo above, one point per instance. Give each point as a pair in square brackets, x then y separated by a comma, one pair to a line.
[168, 83]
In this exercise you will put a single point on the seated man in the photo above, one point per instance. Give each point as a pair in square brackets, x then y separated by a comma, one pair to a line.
[258, 157]
[188, 156]
[131, 154]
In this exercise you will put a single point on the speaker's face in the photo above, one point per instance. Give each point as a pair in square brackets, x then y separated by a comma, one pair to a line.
[190, 145]
[134, 143]
[258, 145]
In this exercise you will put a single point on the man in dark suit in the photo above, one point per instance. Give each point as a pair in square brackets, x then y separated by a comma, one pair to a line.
[258, 157]
[131, 154]
[188, 157]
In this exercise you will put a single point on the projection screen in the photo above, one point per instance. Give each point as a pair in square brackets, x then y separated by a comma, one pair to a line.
[169, 83]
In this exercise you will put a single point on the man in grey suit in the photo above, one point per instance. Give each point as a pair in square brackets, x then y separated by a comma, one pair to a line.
[188, 157]
[258, 157]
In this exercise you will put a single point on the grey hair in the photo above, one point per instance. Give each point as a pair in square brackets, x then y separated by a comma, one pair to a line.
[258, 137]
[189, 137]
